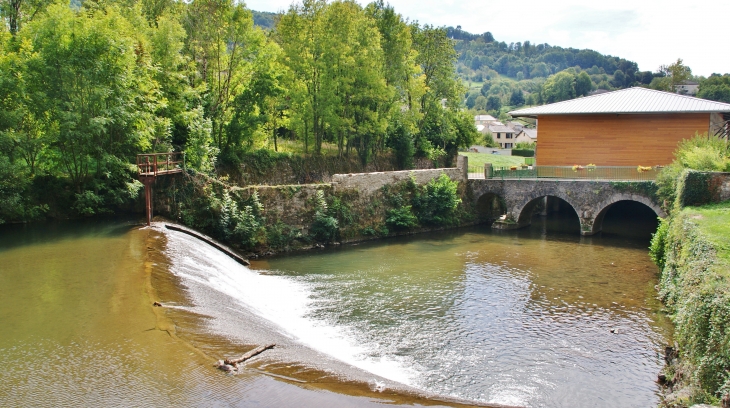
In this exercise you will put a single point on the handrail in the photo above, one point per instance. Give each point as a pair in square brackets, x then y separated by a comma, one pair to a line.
[624, 173]
[154, 164]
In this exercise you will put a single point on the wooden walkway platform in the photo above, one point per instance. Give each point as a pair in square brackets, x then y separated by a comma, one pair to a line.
[151, 165]
[159, 164]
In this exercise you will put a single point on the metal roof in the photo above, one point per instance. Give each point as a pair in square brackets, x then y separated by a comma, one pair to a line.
[500, 129]
[627, 101]
[484, 118]
[531, 133]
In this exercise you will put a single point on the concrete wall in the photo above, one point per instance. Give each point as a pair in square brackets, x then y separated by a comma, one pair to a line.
[484, 149]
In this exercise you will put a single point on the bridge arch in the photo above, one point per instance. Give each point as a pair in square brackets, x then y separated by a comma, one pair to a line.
[523, 213]
[603, 207]
[490, 206]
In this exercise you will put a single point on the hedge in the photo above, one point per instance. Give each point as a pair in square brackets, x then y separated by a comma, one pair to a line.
[523, 152]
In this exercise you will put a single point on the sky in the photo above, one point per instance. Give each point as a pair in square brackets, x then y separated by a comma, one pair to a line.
[650, 33]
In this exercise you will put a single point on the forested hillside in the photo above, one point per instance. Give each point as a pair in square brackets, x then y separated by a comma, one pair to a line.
[510, 75]
[86, 87]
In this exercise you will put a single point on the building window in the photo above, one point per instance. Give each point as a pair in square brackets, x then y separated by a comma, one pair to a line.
[509, 135]
[498, 136]
[508, 145]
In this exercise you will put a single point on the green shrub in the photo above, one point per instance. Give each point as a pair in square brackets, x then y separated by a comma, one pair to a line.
[666, 181]
[523, 152]
[695, 287]
[436, 202]
[703, 153]
[280, 235]
[401, 218]
[325, 227]
[694, 189]
[89, 203]
[242, 227]
[488, 140]
[658, 243]
[700, 153]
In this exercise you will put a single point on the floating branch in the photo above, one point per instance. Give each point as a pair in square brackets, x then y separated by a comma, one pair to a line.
[232, 364]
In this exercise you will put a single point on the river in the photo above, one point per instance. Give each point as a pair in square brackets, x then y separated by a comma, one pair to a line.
[539, 317]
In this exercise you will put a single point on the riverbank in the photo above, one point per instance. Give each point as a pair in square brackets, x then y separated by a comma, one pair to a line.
[692, 249]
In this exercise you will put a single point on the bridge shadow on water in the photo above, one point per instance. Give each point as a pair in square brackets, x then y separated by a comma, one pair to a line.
[625, 223]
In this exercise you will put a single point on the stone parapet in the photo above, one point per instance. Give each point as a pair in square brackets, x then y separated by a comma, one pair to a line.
[368, 183]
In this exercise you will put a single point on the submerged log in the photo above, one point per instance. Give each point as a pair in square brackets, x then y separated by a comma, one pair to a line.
[258, 350]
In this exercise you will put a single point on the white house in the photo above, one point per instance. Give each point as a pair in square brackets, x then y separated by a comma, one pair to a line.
[503, 135]
[484, 120]
[687, 88]
[526, 136]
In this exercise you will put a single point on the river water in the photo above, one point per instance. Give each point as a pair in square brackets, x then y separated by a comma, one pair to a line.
[539, 317]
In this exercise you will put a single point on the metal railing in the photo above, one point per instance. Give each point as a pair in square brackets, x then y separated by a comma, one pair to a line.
[627, 173]
[156, 164]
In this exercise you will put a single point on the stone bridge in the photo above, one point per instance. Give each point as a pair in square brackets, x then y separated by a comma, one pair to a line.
[591, 199]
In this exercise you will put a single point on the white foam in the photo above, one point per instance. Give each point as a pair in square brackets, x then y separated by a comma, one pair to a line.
[281, 300]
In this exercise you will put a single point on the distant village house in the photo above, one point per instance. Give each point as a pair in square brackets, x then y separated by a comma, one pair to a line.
[526, 136]
[687, 87]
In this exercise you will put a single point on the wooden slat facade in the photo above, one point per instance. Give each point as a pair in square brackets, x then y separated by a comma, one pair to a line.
[614, 140]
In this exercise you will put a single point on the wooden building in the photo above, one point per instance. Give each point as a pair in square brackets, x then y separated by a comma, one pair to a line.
[629, 127]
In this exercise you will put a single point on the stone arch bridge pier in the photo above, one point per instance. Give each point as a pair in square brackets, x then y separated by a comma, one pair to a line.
[514, 202]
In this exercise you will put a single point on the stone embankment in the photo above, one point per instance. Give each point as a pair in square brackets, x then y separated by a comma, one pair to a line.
[261, 220]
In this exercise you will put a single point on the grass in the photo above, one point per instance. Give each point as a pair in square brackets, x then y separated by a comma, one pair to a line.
[714, 222]
[478, 159]
[297, 147]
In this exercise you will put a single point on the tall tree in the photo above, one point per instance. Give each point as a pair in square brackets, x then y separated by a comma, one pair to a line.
[228, 52]
[91, 83]
[670, 76]
[559, 87]
[583, 84]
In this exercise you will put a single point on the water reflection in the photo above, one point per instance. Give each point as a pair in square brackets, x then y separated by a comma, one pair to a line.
[534, 317]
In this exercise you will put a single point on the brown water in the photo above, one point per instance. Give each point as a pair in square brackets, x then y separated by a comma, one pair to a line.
[77, 328]
[520, 318]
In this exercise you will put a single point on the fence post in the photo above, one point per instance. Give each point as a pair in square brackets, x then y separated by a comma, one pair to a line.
[488, 172]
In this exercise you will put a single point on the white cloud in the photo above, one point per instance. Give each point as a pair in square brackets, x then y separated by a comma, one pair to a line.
[651, 33]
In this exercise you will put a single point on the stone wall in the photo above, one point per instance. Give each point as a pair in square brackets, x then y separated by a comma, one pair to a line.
[589, 198]
[368, 183]
[290, 216]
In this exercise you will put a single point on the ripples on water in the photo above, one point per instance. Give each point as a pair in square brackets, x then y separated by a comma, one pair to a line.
[518, 318]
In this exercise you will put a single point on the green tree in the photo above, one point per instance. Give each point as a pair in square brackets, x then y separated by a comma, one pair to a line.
[229, 53]
[559, 87]
[493, 103]
[15, 13]
[670, 76]
[517, 98]
[93, 86]
[583, 84]
[716, 88]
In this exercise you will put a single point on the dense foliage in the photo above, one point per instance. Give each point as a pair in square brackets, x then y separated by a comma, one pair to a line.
[516, 74]
[431, 205]
[690, 247]
[502, 75]
[85, 87]
[701, 153]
